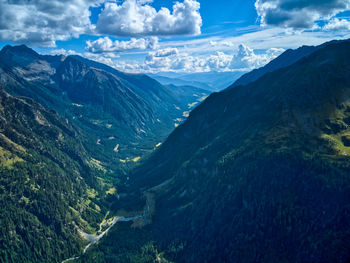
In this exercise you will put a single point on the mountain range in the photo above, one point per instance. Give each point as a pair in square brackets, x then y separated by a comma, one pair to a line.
[70, 130]
[211, 81]
[258, 172]
[132, 111]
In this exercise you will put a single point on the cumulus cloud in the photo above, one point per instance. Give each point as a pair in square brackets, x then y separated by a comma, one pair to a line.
[218, 62]
[170, 59]
[107, 45]
[173, 59]
[43, 21]
[244, 58]
[298, 14]
[165, 52]
[337, 25]
[138, 18]
[105, 58]
[129, 67]
[64, 52]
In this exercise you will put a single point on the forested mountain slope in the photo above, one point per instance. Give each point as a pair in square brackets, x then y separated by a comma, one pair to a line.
[47, 182]
[259, 173]
[69, 130]
[124, 115]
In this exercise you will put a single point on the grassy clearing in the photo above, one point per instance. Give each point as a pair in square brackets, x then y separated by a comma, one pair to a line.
[92, 193]
[337, 144]
[97, 165]
[11, 143]
[8, 159]
[191, 105]
[186, 114]
[202, 98]
[136, 159]
[111, 191]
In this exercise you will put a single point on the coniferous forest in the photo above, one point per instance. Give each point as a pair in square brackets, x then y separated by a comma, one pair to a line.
[148, 131]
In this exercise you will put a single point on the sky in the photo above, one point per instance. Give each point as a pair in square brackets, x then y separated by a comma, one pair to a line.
[173, 36]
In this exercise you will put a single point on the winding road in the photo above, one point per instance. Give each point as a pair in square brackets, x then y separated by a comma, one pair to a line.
[93, 239]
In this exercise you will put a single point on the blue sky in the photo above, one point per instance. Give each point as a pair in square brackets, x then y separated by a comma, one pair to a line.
[179, 36]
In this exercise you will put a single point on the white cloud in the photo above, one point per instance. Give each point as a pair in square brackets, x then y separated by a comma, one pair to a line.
[213, 43]
[170, 59]
[105, 58]
[261, 39]
[138, 18]
[165, 52]
[64, 52]
[298, 14]
[173, 60]
[218, 62]
[227, 44]
[337, 25]
[246, 57]
[108, 60]
[193, 55]
[43, 22]
[107, 45]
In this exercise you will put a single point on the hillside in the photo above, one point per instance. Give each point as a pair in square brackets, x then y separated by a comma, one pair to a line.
[123, 116]
[258, 173]
[46, 177]
[70, 129]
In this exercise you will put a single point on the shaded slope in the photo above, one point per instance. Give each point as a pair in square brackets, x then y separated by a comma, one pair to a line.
[260, 172]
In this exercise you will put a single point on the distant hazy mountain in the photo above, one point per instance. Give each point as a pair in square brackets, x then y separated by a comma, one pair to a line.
[258, 173]
[179, 82]
[211, 81]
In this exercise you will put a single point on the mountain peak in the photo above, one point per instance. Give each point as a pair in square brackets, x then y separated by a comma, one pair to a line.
[22, 49]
